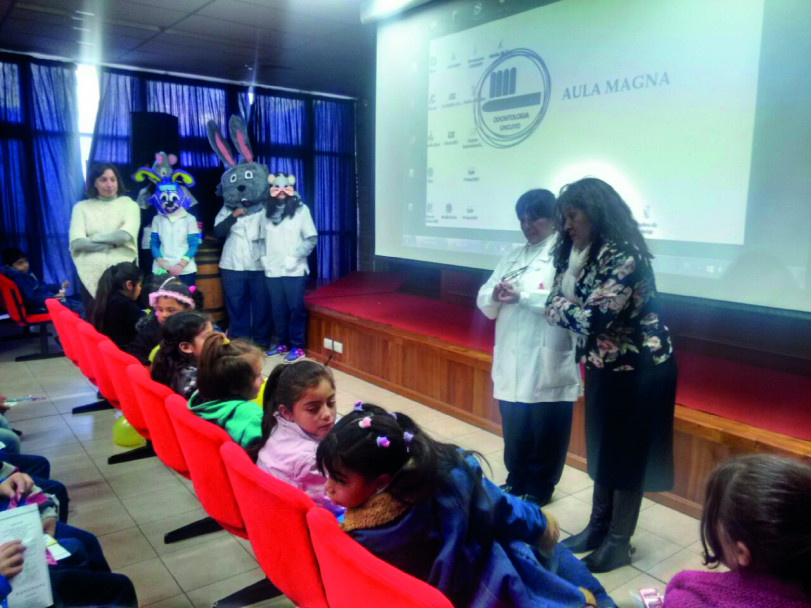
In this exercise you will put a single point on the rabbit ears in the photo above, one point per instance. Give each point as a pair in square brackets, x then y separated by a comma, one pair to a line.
[239, 135]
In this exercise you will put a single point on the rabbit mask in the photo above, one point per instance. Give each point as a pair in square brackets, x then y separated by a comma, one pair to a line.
[243, 185]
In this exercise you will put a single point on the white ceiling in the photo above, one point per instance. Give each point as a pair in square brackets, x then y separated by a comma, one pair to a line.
[312, 45]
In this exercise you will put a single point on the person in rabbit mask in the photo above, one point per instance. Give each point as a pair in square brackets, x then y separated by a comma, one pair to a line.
[244, 189]
[289, 237]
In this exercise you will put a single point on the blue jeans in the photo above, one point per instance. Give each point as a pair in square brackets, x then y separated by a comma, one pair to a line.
[536, 437]
[187, 279]
[289, 314]
[246, 301]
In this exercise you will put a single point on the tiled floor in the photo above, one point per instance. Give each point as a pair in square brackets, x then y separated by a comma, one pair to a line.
[130, 506]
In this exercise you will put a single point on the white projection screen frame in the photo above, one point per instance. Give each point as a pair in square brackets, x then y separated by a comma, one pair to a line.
[695, 111]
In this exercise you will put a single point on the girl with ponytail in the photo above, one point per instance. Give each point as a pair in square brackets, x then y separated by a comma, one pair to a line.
[115, 312]
[426, 508]
[299, 410]
[229, 376]
[175, 363]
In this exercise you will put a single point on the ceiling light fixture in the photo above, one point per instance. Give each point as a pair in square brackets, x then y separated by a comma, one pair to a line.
[85, 13]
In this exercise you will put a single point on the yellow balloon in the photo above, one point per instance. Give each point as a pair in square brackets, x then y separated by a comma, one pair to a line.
[260, 398]
[125, 435]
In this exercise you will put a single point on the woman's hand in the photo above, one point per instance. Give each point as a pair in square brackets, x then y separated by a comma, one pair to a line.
[49, 526]
[496, 292]
[11, 558]
[16, 484]
[552, 533]
[238, 212]
[509, 294]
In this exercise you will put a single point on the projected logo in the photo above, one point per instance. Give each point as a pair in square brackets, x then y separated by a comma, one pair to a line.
[511, 98]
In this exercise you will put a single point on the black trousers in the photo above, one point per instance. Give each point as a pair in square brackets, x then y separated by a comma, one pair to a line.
[536, 438]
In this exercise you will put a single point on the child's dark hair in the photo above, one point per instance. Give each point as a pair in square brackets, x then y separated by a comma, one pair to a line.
[388, 444]
[189, 297]
[764, 502]
[225, 369]
[182, 327]
[113, 280]
[11, 255]
[286, 384]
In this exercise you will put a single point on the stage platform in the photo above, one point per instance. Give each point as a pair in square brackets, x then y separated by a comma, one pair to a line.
[439, 353]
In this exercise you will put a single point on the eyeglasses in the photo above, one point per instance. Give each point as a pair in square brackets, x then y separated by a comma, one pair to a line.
[514, 273]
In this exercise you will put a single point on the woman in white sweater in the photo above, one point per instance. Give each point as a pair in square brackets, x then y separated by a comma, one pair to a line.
[103, 228]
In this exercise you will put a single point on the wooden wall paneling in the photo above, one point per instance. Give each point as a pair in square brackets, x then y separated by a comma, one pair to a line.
[456, 381]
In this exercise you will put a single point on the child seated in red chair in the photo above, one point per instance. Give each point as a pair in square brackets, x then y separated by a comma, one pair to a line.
[299, 410]
[426, 508]
[34, 293]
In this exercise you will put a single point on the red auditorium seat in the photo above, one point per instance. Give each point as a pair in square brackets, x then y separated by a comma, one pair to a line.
[91, 341]
[55, 309]
[117, 363]
[13, 303]
[354, 577]
[275, 517]
[71, 324]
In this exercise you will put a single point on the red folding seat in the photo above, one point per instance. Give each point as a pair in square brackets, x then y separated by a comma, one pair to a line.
[91, 341]
[55, 309]
[72, 323]
[116, 361]
[275, 517]
[354, 577]
[201, 442]
[13, 303]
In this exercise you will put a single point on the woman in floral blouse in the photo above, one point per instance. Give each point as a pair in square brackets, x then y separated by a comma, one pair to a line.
[604, 291]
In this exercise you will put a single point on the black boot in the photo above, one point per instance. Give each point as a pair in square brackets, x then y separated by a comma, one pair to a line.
[599, 522]
[615, 550]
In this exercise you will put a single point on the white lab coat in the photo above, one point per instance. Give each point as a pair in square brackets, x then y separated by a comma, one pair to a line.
[243, 248]
[533, 361]
[284, 244]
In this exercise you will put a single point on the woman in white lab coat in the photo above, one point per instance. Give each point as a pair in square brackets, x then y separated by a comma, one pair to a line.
[535, 377]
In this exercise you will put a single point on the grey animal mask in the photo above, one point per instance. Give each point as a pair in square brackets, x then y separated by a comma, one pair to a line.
[244, 184]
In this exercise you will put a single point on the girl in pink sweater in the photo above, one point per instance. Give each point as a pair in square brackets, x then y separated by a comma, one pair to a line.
[299, 410]
[756, 522]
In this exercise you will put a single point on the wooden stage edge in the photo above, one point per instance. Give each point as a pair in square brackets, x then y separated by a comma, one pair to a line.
[456, 381]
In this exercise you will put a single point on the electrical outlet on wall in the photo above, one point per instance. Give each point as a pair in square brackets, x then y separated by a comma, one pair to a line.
[328, 344]
[338, 347]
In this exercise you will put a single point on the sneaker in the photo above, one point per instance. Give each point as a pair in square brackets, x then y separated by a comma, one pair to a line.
[535, 500]
[508, 489]
[278, 350]
[294, 355]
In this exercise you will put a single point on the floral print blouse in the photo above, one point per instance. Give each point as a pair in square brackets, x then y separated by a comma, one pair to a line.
[616, 315]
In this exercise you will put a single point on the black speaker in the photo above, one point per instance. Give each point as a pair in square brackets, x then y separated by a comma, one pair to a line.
[152, 132]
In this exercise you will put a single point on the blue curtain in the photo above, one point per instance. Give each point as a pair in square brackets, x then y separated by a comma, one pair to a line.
[315, 140]
[335, 191]
[193, 102]
[119, 94]
[40, 167]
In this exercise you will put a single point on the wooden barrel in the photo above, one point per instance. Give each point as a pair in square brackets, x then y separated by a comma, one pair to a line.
[208, 278]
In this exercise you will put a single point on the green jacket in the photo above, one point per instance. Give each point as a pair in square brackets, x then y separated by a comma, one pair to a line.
[242, 420]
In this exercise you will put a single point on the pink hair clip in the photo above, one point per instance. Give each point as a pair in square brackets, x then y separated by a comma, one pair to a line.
[383, 442]
[192, 289]
[365, 423]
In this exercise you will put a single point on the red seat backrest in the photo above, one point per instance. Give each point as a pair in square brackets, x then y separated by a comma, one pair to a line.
[12, 300]
[91, 340]
[72, 324]
[55, 309]
[275, 517]
[151, 397]
[117, 361]
[201, 441]
[354, 577]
